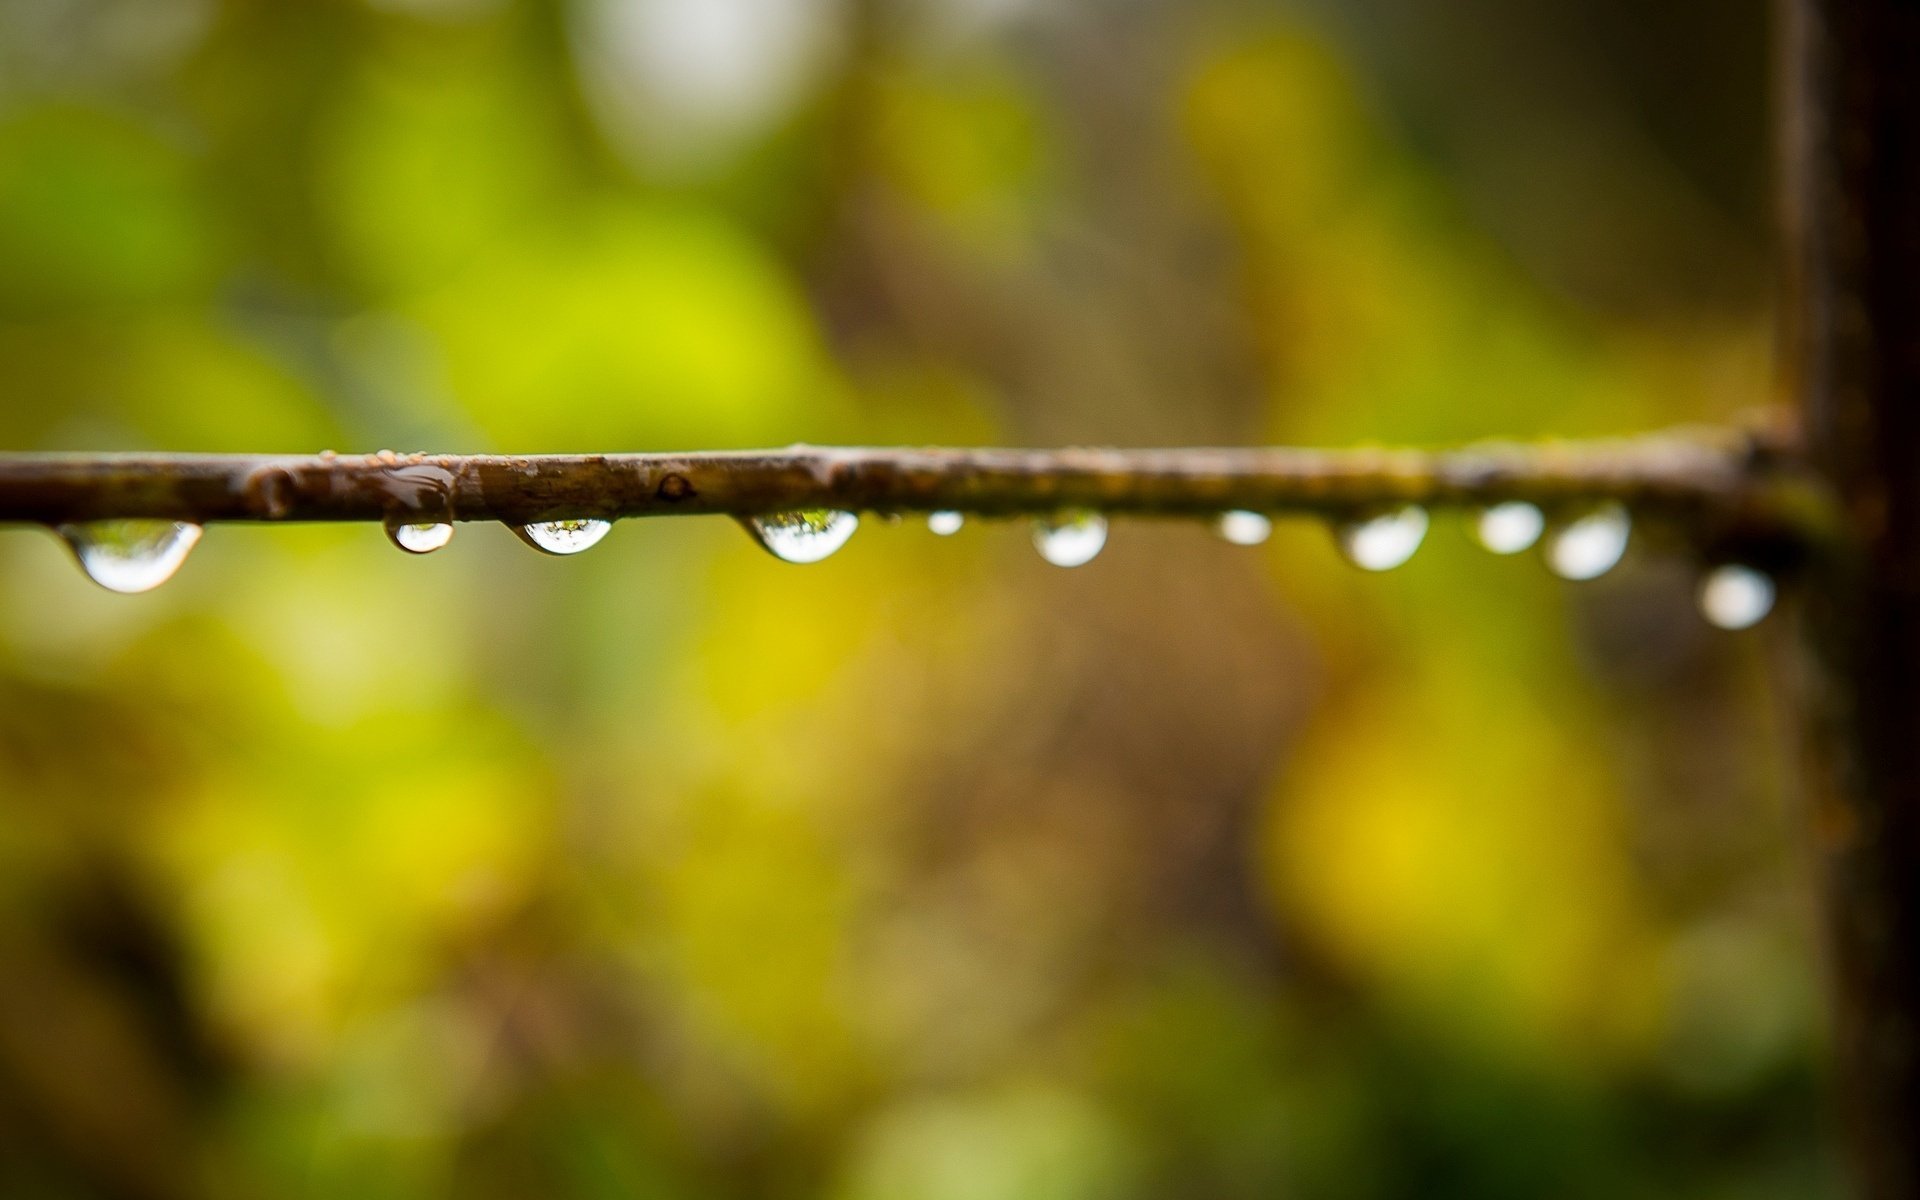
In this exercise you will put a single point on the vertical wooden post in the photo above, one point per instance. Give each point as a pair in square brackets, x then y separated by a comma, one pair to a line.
[1851, 153]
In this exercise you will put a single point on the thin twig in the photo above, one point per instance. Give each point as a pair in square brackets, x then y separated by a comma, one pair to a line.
[1721, 479]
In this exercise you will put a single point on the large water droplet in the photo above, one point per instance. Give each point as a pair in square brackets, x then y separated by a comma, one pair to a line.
[1510, 527]
[420, 537]
[564, 537]
[946, 524]
[130, 555]
[802, 537]
[1590, 546]
[1070, 539]
[1736, 597]
[1244, 528]
[1384, 541]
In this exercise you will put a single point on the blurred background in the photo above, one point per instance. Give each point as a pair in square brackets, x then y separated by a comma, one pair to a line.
[932, 871]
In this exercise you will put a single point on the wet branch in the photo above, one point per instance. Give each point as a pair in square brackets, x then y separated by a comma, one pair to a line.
[1723, 479]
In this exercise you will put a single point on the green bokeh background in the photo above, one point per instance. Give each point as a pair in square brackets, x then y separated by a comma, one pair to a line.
[930, 872]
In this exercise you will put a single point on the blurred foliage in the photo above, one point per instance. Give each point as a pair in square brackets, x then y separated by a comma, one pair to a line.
[931, 871]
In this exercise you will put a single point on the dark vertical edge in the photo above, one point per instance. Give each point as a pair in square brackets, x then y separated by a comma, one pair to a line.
[1850, 141]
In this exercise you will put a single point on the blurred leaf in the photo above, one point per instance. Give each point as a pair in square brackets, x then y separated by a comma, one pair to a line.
[96, 212]
[432, 158]
[1024, 1142]
[631, 326]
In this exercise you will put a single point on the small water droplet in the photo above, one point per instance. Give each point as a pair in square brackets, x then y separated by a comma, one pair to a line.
[564, 537]
[802, 537]
[946, 524]
[1510, 527]
[130, 555]
[1736, 597]
[1384, 541]
[1590, 546]
[1070, 539]
[1244, 528]
[420, 537]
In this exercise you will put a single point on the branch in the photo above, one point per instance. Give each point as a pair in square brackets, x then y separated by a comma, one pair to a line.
[1722, 479]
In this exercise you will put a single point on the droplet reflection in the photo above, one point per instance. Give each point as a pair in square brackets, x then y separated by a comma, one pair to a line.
[802, 537]
[420, 537]
[564, 537]
[1511, 527]
[1591, 546]
[1736, 597]
[1244, 528]
[1070, 539]
[1383, 542]
[946, 524]
[131, 556]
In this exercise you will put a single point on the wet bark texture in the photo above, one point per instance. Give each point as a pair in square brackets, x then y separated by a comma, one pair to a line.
[1731, 484]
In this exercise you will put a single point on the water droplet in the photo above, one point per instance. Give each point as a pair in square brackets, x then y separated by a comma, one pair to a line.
[130, 555]
[1510, 527]
[420, 537]
[803, 537]
[564, 537]
[1590, 546]
[1244, 528]
[1736, 597]
[1070, 539]
[1384, 541]
[946, 524]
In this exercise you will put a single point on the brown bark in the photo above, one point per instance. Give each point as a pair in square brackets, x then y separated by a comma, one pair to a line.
[1852, 202]
[1731, 482]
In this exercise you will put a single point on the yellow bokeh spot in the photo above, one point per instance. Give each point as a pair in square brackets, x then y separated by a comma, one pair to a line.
[1467, 862]
[630, 327]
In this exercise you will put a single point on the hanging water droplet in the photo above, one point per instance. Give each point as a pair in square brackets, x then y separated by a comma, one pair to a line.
[1384, 541]
[1510, 527]
[1244, 528]
[802, 537]
[1736, 597]
[130, 555]
[420, 537]
[946, 524]
[1590, 546]
[564, 537]
[1070, 539]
